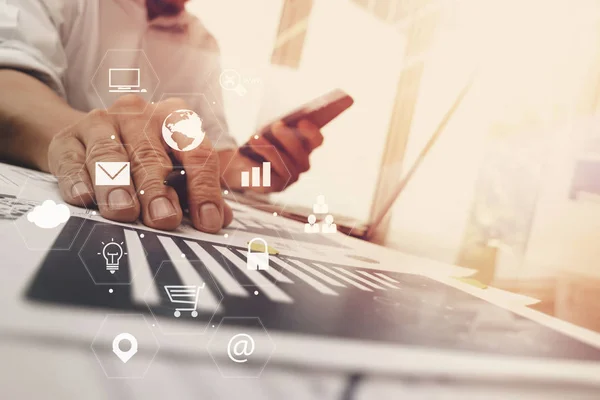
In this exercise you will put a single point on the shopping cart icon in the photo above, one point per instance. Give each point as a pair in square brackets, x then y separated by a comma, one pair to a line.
[188, 295]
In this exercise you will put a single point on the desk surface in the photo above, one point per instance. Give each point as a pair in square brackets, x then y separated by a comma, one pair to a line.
[40, 336]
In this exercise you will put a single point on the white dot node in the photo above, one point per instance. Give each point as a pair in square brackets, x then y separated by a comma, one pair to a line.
[112, 137]
[225, 191]
[256, 292]
[255, 136]
[182, 172]
[142, 235]
[183, 256]
[110, 290]
[142, 192]
[226, 235]
[274, 214]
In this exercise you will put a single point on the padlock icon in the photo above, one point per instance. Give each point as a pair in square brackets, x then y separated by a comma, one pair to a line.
[257, 260]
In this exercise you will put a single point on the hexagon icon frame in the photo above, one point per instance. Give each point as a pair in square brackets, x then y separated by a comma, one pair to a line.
[129, 150]
[229, 243]
[51, 233]
[132, 269]
[191, 331]
[265, 361]
[96, 337]
[290, 236]
[339, 237]
[279, 206]
[126, 66]
[183, 97]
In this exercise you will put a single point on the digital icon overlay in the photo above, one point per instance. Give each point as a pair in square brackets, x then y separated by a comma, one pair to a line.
[243, 346]
[113, 173]
[320, 207]
[182, 130]
[112, 253]
[49, 215]
[230, 79]
[328, 226]
[258, 256]
[129, 334]
[240, 347]
[312, 226]
[125, 80]
[125, 356]
[256, 175]
[185, 296]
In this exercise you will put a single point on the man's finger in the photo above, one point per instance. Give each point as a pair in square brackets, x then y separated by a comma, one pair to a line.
[150, 165]
[103, 145]
[310, 133]
[66, 155]
[205, 201]
[292, 145]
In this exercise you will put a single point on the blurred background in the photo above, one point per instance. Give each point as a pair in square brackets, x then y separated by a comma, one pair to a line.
[512, 188]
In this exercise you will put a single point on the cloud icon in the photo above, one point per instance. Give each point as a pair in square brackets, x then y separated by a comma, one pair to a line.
[49, 215]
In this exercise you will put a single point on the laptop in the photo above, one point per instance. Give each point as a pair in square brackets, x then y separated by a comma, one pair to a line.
[348, 225]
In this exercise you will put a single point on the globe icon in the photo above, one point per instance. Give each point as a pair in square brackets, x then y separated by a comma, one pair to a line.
[182, 130]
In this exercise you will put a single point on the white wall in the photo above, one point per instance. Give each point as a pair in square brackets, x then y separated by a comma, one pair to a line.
[246, 32]
[349, 49]
[345, 47]
[430, 216]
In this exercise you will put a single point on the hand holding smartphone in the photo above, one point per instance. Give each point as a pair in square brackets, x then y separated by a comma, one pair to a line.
[319, 112]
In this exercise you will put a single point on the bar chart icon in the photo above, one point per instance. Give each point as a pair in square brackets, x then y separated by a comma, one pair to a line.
[256, 173]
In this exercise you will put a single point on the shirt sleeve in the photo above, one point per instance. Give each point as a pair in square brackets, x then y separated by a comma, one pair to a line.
[213, 112]
[211, 107]
[30, 41]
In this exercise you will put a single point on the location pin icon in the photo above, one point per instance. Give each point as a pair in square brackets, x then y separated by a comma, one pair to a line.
[125, 355]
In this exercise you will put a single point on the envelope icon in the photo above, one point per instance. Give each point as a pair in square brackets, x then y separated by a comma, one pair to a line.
[113, 173]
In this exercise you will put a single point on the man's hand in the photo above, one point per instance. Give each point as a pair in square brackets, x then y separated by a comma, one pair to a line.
[286, 148]
[117, 135]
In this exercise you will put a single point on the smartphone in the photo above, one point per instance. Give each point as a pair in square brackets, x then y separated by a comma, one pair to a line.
[319, 111]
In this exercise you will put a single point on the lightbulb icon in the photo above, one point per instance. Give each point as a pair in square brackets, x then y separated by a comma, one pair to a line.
[112, 253]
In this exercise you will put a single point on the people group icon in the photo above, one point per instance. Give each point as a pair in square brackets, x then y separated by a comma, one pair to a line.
[320, 207]
[328, 226]
[312, 226]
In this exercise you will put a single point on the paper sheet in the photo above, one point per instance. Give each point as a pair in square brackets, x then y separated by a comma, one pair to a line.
[364, 265]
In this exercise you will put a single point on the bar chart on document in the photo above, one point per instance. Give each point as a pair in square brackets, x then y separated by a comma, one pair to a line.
[297, 295]
[254, 178]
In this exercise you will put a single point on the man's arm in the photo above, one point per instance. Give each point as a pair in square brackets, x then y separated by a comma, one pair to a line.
[38, 128]
[32, 64]
[30, 115]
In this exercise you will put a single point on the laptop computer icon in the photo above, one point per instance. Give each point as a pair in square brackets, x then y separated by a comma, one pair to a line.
[124, 80]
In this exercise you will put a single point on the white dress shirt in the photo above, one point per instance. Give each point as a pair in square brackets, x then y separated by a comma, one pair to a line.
[72, 44]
